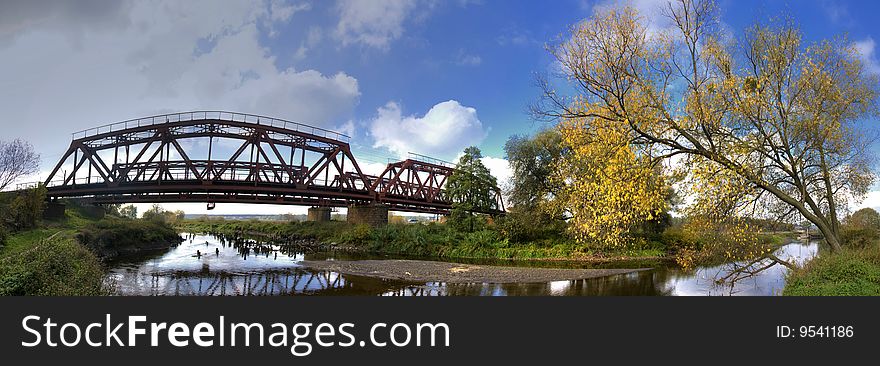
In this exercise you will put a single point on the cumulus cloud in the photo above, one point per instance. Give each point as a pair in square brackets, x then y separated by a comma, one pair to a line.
[500, 168]
[372, 23]
[445, 130]
[74, 69]
[868, 54]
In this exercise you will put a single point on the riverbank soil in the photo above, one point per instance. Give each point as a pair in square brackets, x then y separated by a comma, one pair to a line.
[429, 271]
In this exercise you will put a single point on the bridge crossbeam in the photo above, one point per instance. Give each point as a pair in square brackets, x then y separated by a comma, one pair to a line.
[230, 157]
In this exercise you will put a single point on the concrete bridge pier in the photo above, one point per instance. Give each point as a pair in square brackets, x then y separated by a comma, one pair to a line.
[54, 210]
[318, 214]
[374, 214]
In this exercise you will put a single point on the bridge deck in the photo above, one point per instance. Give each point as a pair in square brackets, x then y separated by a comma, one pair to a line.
[239, 158]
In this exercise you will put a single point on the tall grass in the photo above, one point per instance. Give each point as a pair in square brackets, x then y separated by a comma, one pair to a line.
[850, 272]
[57, 266]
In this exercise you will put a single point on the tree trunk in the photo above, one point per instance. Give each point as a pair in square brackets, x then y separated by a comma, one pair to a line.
[830, 237]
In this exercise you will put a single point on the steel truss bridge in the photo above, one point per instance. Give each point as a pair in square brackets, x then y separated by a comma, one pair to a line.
[215, 156]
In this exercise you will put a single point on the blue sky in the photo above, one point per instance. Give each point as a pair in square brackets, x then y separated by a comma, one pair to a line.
[427, 76]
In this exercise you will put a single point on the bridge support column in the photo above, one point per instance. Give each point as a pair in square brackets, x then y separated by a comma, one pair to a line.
[54, 210]
[318, 214]
[374, 214]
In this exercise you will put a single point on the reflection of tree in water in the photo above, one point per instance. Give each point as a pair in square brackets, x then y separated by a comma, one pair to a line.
[254, 247]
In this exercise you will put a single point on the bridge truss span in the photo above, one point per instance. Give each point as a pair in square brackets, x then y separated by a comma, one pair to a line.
[236, 158]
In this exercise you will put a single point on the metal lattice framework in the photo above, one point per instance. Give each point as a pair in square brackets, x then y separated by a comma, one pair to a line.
[237, 158]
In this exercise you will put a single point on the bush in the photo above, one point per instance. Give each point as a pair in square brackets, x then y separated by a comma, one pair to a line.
[57, 267]
[528, 225]
[851, 272]
[26, 209]
[113, 233]
[4, 234]
[855, 237]
[465, 221]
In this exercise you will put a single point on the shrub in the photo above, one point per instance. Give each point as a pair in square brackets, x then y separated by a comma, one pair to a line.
[527, 225]
[26, 209]
[115, 233]
[4, 233]
[57, 267]
[858, 237]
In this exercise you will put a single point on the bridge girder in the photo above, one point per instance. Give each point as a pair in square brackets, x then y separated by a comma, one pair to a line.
[278, 162]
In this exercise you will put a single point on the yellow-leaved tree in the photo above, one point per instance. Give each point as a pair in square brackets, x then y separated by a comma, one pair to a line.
[762, 125]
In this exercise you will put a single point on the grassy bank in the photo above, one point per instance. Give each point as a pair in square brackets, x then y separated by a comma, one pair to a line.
[851, 272]
[56, 265]
[64, 257]
[425, 240]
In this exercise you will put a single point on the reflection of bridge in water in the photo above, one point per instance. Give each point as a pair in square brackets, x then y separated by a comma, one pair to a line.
[228, 284]
[241, 158]
[305, 282]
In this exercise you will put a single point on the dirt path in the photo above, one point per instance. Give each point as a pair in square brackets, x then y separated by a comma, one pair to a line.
[428, 271]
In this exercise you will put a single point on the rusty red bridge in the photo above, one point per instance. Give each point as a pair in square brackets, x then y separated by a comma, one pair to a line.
[215, 156]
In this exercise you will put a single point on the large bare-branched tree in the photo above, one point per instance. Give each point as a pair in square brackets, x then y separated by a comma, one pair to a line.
[17, 159]
[757, 125]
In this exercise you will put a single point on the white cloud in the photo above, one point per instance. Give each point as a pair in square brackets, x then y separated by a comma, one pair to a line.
[838, 13]
[652, 10]
[372, 168]
[500, 168]
[372, 23]
[72, 70]
[872, 200]
[313, 38]
[867, 50]
[445, 130]
[465, 59]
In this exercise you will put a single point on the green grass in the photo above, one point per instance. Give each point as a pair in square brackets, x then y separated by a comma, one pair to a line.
[50, 267]
[430, 240]
[51, 260]
[851, 272]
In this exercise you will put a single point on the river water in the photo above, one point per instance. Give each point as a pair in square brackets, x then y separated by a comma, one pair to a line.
[207, 265]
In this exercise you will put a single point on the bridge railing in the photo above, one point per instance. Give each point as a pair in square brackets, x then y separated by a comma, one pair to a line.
[212, 115]
[228, 177]
[430, 160]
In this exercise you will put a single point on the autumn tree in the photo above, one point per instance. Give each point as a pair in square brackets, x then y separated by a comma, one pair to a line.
[861, 229]
[764, 125]
[17, 159]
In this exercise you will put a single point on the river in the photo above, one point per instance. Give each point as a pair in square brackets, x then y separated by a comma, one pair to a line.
[266, 269]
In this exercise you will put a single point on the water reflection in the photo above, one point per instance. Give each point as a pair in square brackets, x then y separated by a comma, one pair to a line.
[209, 265]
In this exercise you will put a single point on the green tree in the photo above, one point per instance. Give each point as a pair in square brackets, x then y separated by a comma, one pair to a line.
[532, 160]
[472, 188]
[155, 213]
[129, 211]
